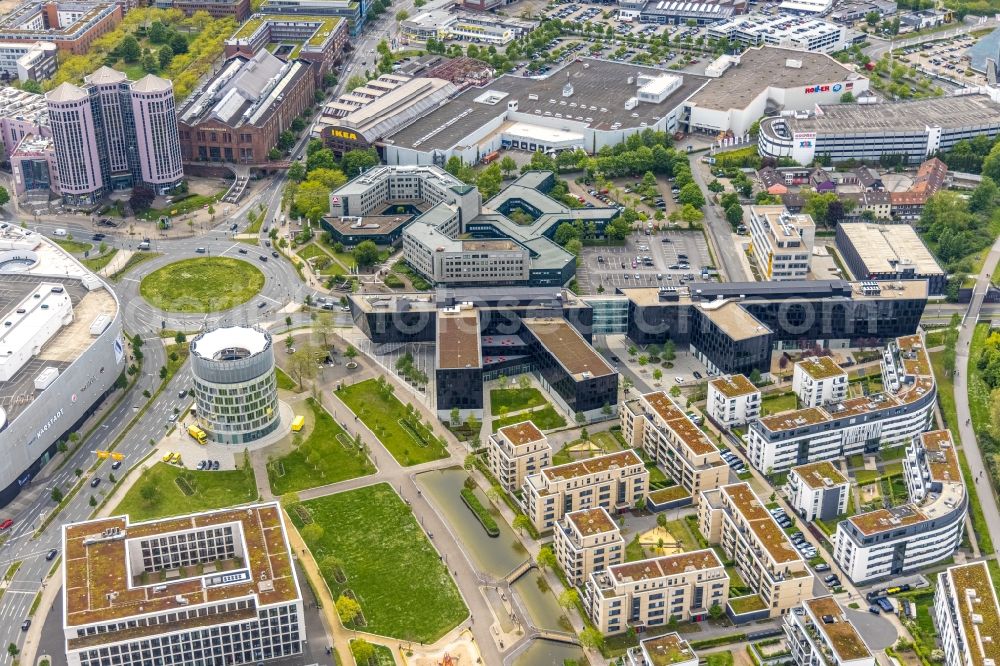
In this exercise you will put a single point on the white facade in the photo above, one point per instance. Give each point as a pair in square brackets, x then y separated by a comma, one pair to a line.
[966, 614]
[516, 451]
[819, 633]
[818, 381]
[806, 34]
[818, 490]
[782, 243]
[733, 400]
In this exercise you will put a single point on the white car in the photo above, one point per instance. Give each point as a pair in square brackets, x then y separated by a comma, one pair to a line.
[679, 380]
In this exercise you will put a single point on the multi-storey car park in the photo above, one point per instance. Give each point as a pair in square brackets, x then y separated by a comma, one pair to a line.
[61, 351]
[927, 529]
[862, 424]
[806, 34]
[866, 132]
[216, 587]
[967, 615]
[821, 633]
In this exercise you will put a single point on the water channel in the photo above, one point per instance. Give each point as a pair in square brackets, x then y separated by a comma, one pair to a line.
[547, 653]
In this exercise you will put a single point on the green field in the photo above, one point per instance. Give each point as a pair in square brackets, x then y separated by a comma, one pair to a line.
[390, 566]
[133, 261]
[208, 490]
[777, 402]
[605, 441]
[402, 434]
[205, 284]
[503, 401]
[95, 264]
[546, 418]
[326, 455]
[72, 246]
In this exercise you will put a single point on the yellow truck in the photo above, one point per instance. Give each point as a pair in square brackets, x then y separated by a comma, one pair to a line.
[197, 433]
[298, 423]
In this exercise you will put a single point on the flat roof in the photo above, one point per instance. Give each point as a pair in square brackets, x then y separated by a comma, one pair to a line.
[913, 354]
[816, 474]
[831, 621]
[522, 433]
[734, 320]
[975, 578]
[883, 520]
[913, 116]
[574, 470]
[761, 523]
[820, 367]
[668, 565]
[566, 344]
[942, 460]
[592, 521]
[102, 587]
[765, 66]
[458, 340]
[667, 649]
[212, 343]
[888, 248]
[733, 386]
[795, 419]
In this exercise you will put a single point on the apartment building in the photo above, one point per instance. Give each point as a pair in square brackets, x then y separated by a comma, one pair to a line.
[515, 452]
[818, 490]
[967, 615]
[862, 424]
[820, 634]
[735, 518]
[733, 400]
[648, 593]
[818, 380]
[654, 423]
[615, 481]
[216, 587]
[666, 650]
[586, 541]
[781, 243]
[911, 536]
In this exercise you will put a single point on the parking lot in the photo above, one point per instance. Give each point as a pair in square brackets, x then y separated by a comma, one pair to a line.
[944, 59]
[670, 258]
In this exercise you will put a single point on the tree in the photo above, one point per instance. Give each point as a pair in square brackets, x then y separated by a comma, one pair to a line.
[178, 44]
[871, 18]
[320, 159]
[489, 181]
[716, 186]
[357, 161]
[591, 638]
[4, 196]
[454, 418]
[366, 253]
[691, 194]
[165, 55]
[297, 172]
[350, 352]
[348, 609]
[129, 49]
[12, 650]
[508, 165]
[355, 81]
[657, 374]
[734, 215]
[546, 558]
[716, 612]
[312, 533]
[362, 650]
[847, 97]
[574, 247]
[569, 599]
[521, 522]
[754, 376]
[566, 232]
[56, 495]
[402, 15]
[302, 363]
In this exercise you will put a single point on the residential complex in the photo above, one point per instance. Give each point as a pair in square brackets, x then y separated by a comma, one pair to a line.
[967, 614]
[818, 490]
[733, 400]
[587, 541]
[781, 243]
[888, 252]
[615, 481]
[648, 593]
[862, 424]
[216, 586]
[516, 452]
[823, 634]
[654, 423]
[735, 518]
[666, 650]
[818, 381]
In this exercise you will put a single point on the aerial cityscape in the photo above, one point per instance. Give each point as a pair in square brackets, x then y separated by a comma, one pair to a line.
[500, 332]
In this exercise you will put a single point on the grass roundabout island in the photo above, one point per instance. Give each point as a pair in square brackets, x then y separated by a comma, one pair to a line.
[203, 284]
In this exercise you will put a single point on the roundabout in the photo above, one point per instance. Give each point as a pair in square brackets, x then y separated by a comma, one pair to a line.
[202, 285]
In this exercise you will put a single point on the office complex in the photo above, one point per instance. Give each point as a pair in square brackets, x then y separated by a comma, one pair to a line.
[679, 12]
[654, 423]
[457, 24]
[966, 614]
[238, 9]
[792, 32]
[862, 424]
[648, 593]
[821, 633]
[459, 363]
[36, 171]
[908, 537]
[215, 587]
[21, 114]
[586, 541]
[319, 40]
[354, 12]
[888, 252]
[517, 451]
[234, 384]
[781, 243]
[113, 134]
[818, 381]
[69, 24]
[615, 481]
[61, 351]
[735, 518]
[818, 490]
[28, 61]
[733, 400]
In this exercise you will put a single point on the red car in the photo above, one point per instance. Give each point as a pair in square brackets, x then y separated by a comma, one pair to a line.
[5, 525]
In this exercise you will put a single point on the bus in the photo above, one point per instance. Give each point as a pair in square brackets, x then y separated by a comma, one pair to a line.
[298, 423]
[200, 435]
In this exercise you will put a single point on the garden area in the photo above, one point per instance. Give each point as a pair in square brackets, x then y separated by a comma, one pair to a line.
[506, 400]
[324, 455]
[398, 427]
[546, 418]
[370, 547]
[205, 284]
[588, 446]
[169, 490]
[774, 403]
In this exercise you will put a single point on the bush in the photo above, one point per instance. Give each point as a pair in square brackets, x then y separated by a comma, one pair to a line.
[487, 521]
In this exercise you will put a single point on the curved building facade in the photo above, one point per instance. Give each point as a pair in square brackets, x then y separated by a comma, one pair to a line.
[234, 384]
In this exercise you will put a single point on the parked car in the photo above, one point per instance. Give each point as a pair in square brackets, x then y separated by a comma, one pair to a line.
[829, 579]
[822, 566]
[51, 555]
[94, 482]
[201, 464]
[215, 465]
[874, 610]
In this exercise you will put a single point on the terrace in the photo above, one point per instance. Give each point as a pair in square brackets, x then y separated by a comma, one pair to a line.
[941, 458]
[683, 428]
[661, 567]
[766, 532]
[576, 470]
[885, 520]
[589, 522]
[667, 650]
[840, 634]
[734, 386]
[799, 418]
[821, 367]
[522, 433]
[981, 635]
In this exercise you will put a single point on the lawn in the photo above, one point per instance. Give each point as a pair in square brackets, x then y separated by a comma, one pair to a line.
[132, 262]
[326, 455]
[95, 264]
[503, 401]
[719, 659]
[945, 391]
[284, 381]
[979, 391]
[383, 657]
[682, 532]
[202, 491]
[546, 418]
[387, 563]
[205, 284]
[72, 246]
[402, 434]
[779, 402]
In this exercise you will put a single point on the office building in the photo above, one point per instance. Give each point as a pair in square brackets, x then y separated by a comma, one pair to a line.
[782, 30]
[967, 614]
[69, 24]
[906, 538]
[517, 451]
[234, 384]
[355, 12]
[238, 9]
[456, 24]
[821, 633]
[113, 134]
[615, 481]
[733, 400]
[28, 61]
[865, 132]
[781, 243]
[212, 587]
[34, 167]
[647, 593]
[459, 364]
[238, 114]
[678, 12]
[666, 650]
[587, 541]
[888, 252]
[859, 425]
[21, 114]
[735, 518]
[654, 423]
[319, 40]
[818, 381]
[818, 490]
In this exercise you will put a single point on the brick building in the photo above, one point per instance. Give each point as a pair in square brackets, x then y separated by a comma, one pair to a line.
[72, 26]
